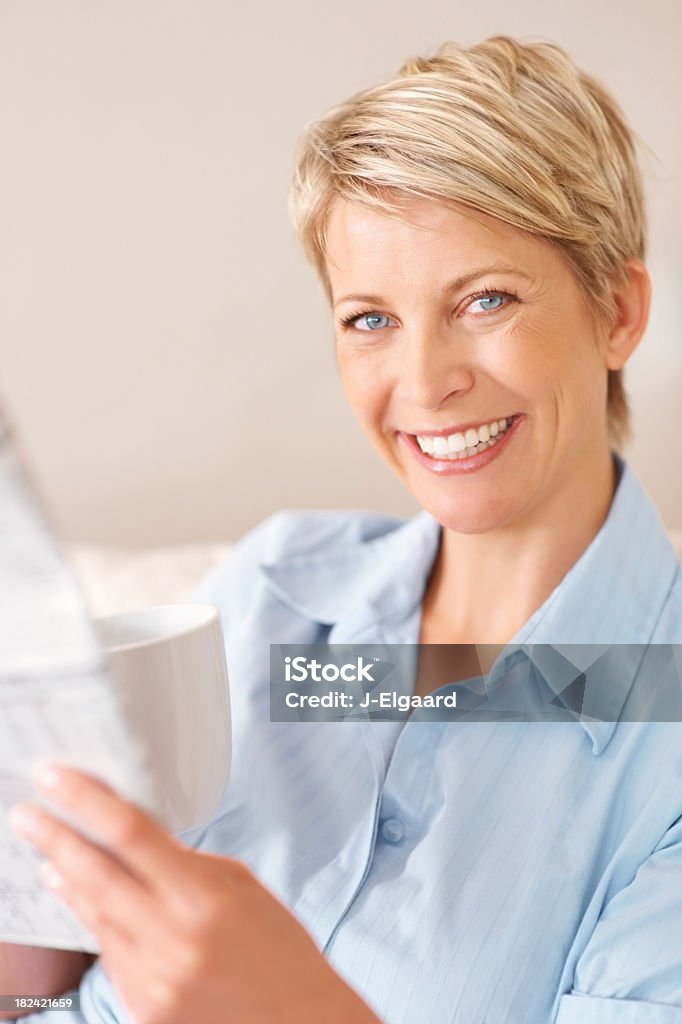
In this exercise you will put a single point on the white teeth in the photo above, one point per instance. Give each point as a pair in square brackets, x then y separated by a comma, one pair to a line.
[462, 445]
[456, 443]
[426, 444]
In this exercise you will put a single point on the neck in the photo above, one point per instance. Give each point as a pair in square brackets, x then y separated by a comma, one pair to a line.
[484, 587]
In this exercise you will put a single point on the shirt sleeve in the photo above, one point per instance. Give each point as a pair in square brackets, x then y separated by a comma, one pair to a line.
[631, 969]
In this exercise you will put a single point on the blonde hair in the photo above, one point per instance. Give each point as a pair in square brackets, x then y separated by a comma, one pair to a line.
[514, 130]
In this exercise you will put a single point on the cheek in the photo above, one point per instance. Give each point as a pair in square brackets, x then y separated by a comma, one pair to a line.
[548, 363]
[366, 389]
[566, 385]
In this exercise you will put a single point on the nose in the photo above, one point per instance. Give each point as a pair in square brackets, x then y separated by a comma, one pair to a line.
[431, 367]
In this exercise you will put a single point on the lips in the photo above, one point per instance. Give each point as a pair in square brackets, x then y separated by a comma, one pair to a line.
[471, 458]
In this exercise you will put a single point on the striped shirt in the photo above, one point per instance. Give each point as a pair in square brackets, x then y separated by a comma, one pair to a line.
[457, 872]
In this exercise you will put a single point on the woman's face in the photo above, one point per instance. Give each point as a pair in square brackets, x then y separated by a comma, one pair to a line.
[470, 358]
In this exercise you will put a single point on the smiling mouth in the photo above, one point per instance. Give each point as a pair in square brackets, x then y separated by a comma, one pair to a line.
[464, 445]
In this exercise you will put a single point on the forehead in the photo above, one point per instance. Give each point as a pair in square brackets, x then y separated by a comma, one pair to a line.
[421, 238]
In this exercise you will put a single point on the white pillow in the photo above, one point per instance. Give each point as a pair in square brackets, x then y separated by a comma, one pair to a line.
[120, 579]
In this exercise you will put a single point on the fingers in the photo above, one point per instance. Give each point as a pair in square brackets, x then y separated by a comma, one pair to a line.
[97, 887]
[133, 836]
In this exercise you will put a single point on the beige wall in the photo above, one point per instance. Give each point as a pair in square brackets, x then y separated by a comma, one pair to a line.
[163, 346]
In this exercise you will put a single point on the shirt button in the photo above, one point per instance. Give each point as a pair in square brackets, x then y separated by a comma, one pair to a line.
[393, 830]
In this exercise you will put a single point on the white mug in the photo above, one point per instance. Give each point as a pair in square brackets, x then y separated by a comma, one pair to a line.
[169, 664]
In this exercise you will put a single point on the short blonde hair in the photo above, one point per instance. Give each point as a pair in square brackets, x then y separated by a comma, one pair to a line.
[514, 130]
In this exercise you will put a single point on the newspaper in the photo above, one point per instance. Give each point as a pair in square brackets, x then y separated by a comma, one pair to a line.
[57, 700]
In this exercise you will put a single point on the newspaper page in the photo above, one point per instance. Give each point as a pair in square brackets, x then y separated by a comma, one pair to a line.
[57, 700]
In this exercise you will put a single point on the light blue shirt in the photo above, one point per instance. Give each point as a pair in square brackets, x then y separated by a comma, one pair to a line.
[456, 872]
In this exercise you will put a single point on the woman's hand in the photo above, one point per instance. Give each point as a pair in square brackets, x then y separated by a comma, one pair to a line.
[184, 935]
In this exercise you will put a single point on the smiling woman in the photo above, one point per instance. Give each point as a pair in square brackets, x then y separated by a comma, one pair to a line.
[477, 225]
[511, 341]
[487, 395]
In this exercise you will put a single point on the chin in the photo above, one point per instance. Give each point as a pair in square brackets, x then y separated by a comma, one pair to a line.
[469, 515]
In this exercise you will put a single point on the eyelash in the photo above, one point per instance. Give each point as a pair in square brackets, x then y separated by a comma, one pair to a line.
[348, 321]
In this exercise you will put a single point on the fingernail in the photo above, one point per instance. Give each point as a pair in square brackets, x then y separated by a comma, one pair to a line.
[47, 775]
[49, 875]
[24, 820]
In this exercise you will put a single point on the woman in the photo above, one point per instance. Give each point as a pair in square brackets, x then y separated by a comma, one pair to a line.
[477, 224]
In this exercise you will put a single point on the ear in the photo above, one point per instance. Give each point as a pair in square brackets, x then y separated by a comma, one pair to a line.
[633, 301]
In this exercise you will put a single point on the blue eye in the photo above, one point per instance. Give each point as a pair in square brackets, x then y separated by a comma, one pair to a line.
[372, 318]
[374, 321]
[491, 301]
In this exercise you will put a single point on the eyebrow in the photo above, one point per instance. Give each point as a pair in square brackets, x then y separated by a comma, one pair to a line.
[452, 286]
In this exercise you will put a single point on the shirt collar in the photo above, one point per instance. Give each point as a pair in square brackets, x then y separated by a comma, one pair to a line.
[613, 594]
[388, 573]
